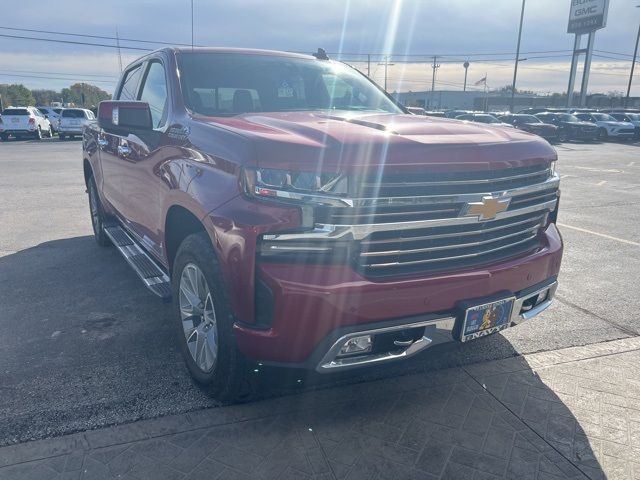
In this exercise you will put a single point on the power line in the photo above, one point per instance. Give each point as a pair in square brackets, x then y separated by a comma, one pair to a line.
[63, 73]
[72, 42]
[101, 37]
[58, 78]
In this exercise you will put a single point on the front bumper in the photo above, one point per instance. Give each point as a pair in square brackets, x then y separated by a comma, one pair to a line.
[315, 305]
[71, 130]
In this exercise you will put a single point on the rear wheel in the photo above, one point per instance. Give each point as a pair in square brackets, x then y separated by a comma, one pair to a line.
[97, 214]
[203, 320]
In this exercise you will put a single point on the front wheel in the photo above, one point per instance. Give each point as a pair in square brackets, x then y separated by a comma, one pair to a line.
[602, 134]
[204, 322]
[97, 214]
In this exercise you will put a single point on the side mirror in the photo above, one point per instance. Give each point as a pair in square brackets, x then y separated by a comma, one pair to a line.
[122, 117]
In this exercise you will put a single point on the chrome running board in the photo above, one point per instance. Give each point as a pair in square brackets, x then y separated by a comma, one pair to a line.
[154, 277]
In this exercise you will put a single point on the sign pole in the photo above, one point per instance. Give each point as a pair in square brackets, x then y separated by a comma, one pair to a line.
[633, 64]
[587, 67]
[574, 68]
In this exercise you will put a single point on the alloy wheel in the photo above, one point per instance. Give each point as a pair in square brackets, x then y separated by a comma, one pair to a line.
[198, 318]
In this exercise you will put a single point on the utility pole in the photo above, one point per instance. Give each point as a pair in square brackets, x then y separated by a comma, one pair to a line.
[466, 67]
[369, 65]
[633, 65]
[435, 66]
[515, 67]
[386, 65]
[191, 24]
[119, 53]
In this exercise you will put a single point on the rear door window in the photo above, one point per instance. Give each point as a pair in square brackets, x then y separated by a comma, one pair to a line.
[129, 87]
[15, 111]
[154, 92]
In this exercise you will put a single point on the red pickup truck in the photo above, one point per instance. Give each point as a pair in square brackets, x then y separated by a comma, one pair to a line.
[298, 216]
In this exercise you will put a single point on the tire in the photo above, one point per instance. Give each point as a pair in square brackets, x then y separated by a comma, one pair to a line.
[563, 136]
[38, 134]
[220, 368]
[61, 137]
[4, 137]
[602, 134]
[97, 214]
[50, 134]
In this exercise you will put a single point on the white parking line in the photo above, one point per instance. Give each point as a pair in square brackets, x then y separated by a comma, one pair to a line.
[599, 184]
[621, 240]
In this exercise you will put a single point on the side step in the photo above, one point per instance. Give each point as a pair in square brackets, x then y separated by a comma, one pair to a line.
[147, 269]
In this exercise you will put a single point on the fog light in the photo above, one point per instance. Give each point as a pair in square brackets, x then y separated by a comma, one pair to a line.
[356, 345]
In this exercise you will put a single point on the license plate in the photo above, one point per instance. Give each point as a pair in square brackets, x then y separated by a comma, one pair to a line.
[75, 122]
[487, 318]
[15, 120]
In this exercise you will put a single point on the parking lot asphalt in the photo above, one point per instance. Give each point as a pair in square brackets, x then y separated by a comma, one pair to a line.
[83, 344]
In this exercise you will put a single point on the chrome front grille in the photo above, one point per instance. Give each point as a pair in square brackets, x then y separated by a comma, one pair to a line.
[454, 247]
[419, 222]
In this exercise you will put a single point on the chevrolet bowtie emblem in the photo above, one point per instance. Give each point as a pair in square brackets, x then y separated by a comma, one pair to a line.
[487, 209]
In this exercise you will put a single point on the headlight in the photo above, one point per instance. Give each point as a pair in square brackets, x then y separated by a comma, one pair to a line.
[552, 168]
[296, 186]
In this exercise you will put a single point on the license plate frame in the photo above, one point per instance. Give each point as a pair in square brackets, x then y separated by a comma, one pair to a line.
[496, 314]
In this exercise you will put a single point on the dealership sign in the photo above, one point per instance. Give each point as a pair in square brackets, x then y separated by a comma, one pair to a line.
[587, 15]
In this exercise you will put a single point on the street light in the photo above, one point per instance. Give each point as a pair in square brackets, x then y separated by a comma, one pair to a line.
[633, 65]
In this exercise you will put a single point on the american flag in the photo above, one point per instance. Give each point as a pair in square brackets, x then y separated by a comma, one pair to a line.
[482, 81]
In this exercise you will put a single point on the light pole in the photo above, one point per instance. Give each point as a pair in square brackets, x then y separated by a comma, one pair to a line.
[515, 67]
[633, 65]
[466, 67]
[386, 65]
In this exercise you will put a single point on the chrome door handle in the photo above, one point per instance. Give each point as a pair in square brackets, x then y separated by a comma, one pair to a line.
[124, 150]
[102, 143]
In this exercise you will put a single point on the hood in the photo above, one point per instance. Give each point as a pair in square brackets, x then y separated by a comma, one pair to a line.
[333, 141]
[580, 124]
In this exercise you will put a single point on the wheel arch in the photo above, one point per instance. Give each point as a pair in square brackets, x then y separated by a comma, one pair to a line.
[179, 224]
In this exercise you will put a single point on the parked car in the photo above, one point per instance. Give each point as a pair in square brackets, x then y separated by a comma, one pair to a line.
[73, 121]
[609, 127]
[532, 124]
[629, 117]
[416, 111]
[53, 115]
[483, 118]
[456, 113]
[24, 122]
[432, 113]
[304, 225]
[570, 128]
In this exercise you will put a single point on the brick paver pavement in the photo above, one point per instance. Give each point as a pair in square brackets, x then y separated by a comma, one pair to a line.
[573, 413]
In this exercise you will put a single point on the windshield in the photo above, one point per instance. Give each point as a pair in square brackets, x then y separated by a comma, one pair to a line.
[603, 117]
[15, 111]
[529, 119]
[71, 113]
[222, 84]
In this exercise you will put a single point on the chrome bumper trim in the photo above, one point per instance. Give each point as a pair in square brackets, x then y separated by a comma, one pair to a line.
[437, 331]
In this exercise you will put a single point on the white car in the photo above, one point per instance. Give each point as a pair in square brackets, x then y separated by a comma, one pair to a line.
[629, 117]
[22, 122]
[483, 118]
[73, 120]
[53, 114]
[609, 127]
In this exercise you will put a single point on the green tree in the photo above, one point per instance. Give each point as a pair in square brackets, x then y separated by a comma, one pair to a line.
[45, 97]
[16, 95]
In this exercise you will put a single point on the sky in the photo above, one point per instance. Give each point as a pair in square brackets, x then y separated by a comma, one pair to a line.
[410, 31]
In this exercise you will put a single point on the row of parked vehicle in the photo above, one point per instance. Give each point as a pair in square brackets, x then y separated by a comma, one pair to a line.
[559, 125]
[41, 122]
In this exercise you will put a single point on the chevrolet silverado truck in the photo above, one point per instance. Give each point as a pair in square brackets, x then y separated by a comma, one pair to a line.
[296, 215]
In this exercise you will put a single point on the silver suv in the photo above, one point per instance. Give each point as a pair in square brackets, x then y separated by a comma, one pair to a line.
[73, 120]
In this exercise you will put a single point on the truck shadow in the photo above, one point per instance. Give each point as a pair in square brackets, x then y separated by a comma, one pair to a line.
[84, 345]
